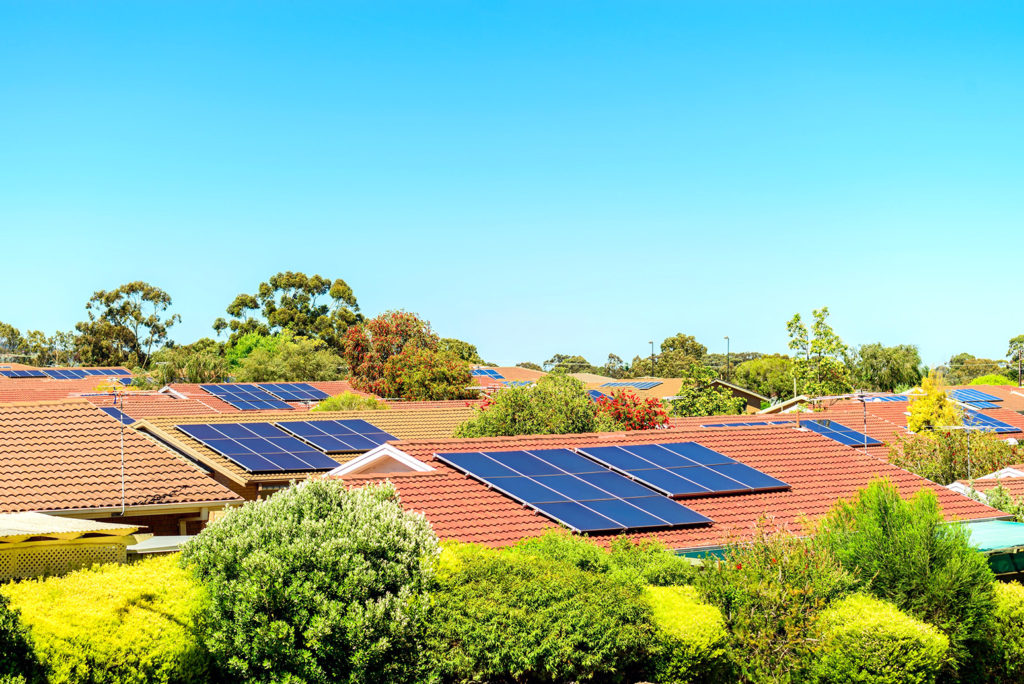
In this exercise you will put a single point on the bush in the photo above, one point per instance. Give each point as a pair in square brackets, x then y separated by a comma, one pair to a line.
[115, 623]
[316, 584]
[870, 641]
[941, 456]
[349, 401]
[16, 656]
[628, 411]
[933, 409]
[995, 379]
[692, 637]
[904, 552]
[1006, 662]
[771, 591]
[509, 617]
[558, 404]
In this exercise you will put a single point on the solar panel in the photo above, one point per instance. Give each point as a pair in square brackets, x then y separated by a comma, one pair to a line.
[761, 422]
[487, 373]
[294, 391]
[981, 420]
[683, 469]
[517, 383]
[118, 414]
[573, 490]
[641, 385]
[839, 433]
[259, 447]
[337, 436]
[106, 371]
[971, 396]
[246, 397]
[597, 395]
[23, 373]
[887, 398]
[66, 373]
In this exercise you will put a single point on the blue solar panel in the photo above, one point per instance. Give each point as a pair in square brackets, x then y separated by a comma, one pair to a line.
[517, 383]
[760, 422]
[839, 433]
[23, 373]
[259, 447]
[293, 391]
[886, 398]
[972, 396]
[981, 420]
[680, 469]
[487, 373]
[118, 414]
[337, 436]
[66, 373]
[639, 384]
[106, 371]
[560, 484]
[246, 397]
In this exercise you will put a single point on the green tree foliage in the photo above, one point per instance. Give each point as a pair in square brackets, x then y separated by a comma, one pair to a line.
[12, 343]
[125, 325]
[697, 396]
[199, 362]
[115, 623]
[505, 617]
[871, 638]
[993, 380]
[963, 368]
[1006, 659]
[904, 552]
[885, 369]
[397, 355]
[349, 401]
[528, 364]
[566, 363]
[557, 404]
[35, 347]
[1000, 498]
[932, 408]
[318, 583]
[726, 365]
[307, 306]
[614, 367]
[692, 639]
[769, 376]
[819, 356]
[290, 359]
[771, 591]
[945, 456]
[461, 350]
[1015, 353]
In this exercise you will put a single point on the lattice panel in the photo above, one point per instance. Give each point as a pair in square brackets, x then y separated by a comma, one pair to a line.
[57, 559]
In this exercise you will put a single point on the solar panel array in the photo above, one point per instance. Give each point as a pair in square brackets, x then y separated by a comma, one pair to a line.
[487, 373]
[573, 490]
[246, 397]
[980, 420]
[259, 447]
[683, 469]
[975, 398]
[517, 383]
[888, 398]
[294, 391]
[118, 414]
[107, 371]
[839, 433]
[66, 373]
[641, 384]
[761, 422]
[23, 373]
[337, 436]
[596, 395]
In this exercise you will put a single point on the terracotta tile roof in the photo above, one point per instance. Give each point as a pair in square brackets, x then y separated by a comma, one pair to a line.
[425, 423]
[148, 405]
[1014, 485]
[818, 470]
[1011, 395]
[66, 455]
[48, 389]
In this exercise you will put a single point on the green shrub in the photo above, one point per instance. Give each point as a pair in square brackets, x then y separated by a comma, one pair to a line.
[870, 641]
[1006, 658]
[557, 404]
[692, 637]
[904, 552]
[500, 616]
[993, 379]
[115, 623]
[349, 401]
[318, 583]
[16, 656]
[770, 591]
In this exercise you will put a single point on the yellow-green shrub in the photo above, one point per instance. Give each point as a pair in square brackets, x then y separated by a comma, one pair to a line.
[1007, 638]
[349, 401]
[114, 623]
[870, 641]
[692, 635]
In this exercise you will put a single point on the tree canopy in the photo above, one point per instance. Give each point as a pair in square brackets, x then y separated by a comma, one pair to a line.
[819, 364]
[125, 325]
[769, 376]
[886, 369]
[698, 396]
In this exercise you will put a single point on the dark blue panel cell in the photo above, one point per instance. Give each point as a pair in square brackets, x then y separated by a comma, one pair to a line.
[316, 460]
[358, 443]
[754, 479]
[579, 518]
[573, 488]
[118, 414]
[523, 463]
[300, 427]
[264, 430]
[256, 464]
[379, 438]
[698, 453]
[710, 479]
[258, 445]
[568, 461]
[616, 484]
[662, 458]
[668, 482]
[625, 513]
[286, 461]
[668, 510]
[359, 426]
[475, 463]
[235, 430]
[525, 489]
[616, 458]
[200, 432]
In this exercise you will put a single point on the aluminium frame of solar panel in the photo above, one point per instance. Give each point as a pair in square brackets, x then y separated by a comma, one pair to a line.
[573, 490]
[259, 447]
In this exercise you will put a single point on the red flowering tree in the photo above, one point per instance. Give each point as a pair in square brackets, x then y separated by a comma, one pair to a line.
[631, 412]
[395, 355]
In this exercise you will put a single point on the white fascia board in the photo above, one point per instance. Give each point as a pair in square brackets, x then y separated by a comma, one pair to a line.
[382, 452]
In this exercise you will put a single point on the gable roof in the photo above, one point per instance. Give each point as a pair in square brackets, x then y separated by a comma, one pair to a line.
[66, 456]
[818, 470]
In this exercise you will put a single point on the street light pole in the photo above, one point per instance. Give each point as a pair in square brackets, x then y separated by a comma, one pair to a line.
[728, 374]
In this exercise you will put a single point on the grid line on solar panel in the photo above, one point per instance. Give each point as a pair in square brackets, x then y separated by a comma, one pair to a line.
[683, 469]
[246, 397]
[259, 447]
[573, 490]
[980, 420]
[337, 436]
[293, 391]
[23, 373]
[838, 432]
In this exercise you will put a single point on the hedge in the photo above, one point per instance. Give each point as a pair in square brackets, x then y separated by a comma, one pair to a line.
[114, 623]
[1007, 638]
[870, 641]
[692, 635]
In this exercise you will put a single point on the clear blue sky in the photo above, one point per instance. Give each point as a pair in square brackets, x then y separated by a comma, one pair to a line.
[534, 177]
